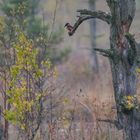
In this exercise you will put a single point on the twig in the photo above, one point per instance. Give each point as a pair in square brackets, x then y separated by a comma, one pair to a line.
[106, 120]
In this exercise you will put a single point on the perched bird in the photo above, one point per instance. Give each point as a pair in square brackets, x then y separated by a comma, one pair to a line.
[69, 27]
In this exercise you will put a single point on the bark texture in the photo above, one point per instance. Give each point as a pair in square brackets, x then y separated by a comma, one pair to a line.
[124, 63]
[123, 55]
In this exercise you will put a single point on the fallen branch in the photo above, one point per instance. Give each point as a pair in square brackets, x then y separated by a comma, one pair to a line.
[107, 121]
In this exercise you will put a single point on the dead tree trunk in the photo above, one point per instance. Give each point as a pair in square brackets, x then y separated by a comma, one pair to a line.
[123, 55]
[123, 63]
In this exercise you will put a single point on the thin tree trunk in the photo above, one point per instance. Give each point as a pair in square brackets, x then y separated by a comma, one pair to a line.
[1, 125]
[95, 65]
[6, 123]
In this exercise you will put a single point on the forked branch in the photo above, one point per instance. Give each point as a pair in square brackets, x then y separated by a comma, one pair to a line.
[87, 14]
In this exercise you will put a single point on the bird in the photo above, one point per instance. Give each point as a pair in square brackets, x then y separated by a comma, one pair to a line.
[69, 27]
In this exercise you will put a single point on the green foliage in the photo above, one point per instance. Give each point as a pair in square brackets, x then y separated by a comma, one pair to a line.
[138, 70]
[24, 98]
[129, 103]
[21, 14]
[24, 16]
[2, 24]
[16, 7]
[27, 48]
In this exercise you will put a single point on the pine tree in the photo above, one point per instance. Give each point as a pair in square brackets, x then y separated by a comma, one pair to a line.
[23, 15]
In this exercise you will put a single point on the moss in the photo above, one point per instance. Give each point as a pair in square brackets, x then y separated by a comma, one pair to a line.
[128, 103]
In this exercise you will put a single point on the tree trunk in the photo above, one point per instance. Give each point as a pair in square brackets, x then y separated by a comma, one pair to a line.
[123, 63]
[95, 65]
[6, 107]
[1, 125]
[123, 55]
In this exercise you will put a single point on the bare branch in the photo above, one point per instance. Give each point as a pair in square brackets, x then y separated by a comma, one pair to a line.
[87, 14]
[96, 14]
[106, 120]
[104, 52]
[79, 21]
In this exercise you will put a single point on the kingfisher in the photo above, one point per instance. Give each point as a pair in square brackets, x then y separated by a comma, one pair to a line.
[69, 27]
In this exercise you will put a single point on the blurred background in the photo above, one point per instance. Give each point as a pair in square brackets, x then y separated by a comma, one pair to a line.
[83, 87]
